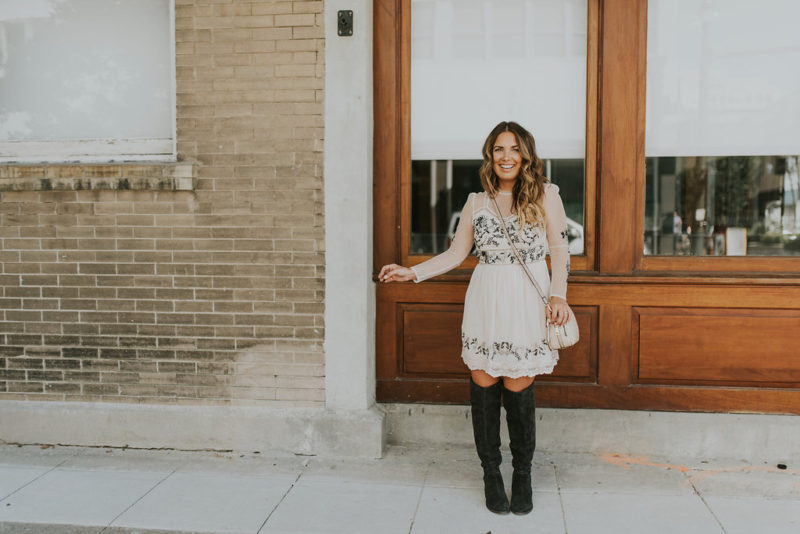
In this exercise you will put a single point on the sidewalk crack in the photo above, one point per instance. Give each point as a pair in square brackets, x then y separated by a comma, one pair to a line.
[705, 503]
[419, 498]
[560, 500]
[145, 494]
[285, 494]
[59, 464]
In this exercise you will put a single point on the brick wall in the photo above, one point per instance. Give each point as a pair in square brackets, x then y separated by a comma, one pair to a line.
[151, 294]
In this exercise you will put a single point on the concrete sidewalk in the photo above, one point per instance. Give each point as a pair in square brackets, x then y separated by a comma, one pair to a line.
[91, 490]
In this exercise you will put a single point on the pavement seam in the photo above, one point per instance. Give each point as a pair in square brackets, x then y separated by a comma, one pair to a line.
[419, 498]
[560, 500]
[697, 492]
[286, 493]
[59, 464]
[145, 494]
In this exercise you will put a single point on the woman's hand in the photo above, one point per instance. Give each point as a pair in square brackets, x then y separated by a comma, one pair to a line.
[560, 311]
[396, 273]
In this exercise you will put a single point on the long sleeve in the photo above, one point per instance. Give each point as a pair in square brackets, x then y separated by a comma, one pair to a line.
[458, 251]
[557, 240]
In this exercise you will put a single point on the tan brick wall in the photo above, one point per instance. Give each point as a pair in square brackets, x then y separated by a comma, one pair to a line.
[206, 296]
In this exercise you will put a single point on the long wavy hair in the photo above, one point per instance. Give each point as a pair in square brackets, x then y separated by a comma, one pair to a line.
[529, 187]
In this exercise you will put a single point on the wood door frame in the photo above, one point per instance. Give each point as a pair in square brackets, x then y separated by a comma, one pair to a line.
[613, 278]
[392, 85]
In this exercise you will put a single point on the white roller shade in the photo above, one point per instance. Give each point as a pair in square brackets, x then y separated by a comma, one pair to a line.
[86, 69]
[723, 78]
[476, 63]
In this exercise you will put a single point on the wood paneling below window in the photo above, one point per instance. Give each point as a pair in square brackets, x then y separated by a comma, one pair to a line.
[431, 344]
[646, 343]
[754, 346]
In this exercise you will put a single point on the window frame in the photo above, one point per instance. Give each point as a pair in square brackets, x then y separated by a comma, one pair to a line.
[108, 149]
[582, 262]
[705, 266]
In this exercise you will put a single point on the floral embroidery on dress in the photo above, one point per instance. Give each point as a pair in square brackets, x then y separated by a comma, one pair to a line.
[488, 232]
[500, 257]
[502, 348]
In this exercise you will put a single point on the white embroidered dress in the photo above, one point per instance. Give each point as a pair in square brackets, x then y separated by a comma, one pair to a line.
[503, 329]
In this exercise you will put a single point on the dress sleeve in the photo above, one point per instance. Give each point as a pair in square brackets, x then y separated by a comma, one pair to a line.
[458, 251]
[557, 240]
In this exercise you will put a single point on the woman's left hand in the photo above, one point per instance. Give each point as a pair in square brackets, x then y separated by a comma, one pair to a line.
[560, 311]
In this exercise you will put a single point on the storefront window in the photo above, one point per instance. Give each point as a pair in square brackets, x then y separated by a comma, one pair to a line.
[87, 80]
[474, 64]
[722, 142]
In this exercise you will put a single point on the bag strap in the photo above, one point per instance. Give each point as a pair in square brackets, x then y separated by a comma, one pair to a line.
[519, 258]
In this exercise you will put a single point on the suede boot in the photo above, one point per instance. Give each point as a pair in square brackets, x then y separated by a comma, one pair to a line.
[521, 419]
[485, 404]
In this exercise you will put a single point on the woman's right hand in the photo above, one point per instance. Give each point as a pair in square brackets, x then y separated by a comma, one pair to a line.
[395, 273]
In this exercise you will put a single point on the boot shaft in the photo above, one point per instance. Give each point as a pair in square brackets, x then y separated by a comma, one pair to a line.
[485, 407]
[521, 418]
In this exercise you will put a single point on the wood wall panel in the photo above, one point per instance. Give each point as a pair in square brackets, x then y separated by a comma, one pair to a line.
[615, 307]
[718, 344]
[431, 344]
[432, 340]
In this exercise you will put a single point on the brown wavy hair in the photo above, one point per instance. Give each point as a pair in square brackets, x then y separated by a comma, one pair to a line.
[529, 187]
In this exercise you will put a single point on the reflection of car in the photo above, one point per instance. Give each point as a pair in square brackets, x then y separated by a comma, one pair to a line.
[574, 233]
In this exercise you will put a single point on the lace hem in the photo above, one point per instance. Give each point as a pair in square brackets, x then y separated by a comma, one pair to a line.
[480, 364]
[504, 358]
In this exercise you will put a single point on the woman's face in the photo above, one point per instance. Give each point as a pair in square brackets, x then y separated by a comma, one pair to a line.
[506, 159]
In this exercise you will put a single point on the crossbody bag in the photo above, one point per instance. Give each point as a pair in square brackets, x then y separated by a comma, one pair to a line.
[556, 337]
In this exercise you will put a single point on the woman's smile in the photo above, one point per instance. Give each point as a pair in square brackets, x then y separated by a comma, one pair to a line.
[506, 158]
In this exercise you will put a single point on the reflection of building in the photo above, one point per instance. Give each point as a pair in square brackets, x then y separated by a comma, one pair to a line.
[755, 194]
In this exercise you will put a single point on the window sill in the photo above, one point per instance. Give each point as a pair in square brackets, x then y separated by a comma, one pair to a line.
[134, 176]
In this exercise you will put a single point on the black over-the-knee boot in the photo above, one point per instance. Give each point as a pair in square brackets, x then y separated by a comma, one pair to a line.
[486, 427]
[521, 419]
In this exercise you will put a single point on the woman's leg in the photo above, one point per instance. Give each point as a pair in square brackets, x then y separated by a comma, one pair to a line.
[520, 416]
[484, 379]
[484, 395]
[517, 384]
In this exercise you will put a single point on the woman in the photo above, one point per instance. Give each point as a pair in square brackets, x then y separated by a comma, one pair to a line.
[504, 323]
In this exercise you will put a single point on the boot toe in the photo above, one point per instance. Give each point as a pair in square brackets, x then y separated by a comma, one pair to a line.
[521, 494]
[495, 493]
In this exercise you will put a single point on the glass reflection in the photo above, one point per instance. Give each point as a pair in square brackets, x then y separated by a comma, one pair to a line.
[439, 189]
[475, 63]
[718, 206]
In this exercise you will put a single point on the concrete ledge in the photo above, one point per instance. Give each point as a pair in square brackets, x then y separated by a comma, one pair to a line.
[8, 527]
[305, 431]
[675, 434]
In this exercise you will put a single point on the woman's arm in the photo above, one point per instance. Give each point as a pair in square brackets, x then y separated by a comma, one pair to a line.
[458, 251]
[558, 243]
[446, 261]
[557, 240]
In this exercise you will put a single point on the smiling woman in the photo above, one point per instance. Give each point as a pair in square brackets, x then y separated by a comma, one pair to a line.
[503, 332]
